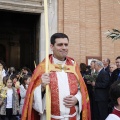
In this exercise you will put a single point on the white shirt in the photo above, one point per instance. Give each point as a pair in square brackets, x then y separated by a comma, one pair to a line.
[3, 73]
[113, 116]
[9, 98]
[92, 71]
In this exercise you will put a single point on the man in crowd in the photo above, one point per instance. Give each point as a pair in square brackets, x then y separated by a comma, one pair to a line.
[106, 63]
[114, 77]
[68, 92]
[101, 94]
[112, 68]
[116, 73]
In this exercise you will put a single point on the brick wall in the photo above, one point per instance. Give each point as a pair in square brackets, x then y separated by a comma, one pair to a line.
[85, 22]
[110, 12]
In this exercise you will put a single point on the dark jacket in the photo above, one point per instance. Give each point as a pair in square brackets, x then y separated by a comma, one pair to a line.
[101, 90]
[107, 69]
[114, 76]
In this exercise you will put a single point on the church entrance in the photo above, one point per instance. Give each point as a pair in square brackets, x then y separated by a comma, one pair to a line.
[19, 39]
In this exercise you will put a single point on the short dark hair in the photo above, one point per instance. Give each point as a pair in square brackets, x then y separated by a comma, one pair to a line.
[5, 78]
[25, 77]
[115, 92]
[57, 35]
[83, 67]
[108, 60]
[117, 57]
[13, 77]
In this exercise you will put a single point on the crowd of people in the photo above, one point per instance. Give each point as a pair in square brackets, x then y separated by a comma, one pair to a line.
[76, 93]
[14, 85]
[98, 88]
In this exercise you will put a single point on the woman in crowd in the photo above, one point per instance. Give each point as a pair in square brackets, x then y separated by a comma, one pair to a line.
[23, 88]
[16, 84]
[83, 69]
[26, 71]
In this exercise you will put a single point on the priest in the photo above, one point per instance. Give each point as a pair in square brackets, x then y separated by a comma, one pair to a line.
[68, 93]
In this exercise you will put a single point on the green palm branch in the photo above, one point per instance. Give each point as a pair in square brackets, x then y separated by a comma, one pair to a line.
[114, 34]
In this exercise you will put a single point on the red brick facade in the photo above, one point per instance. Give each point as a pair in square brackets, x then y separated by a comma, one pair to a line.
[85, 22]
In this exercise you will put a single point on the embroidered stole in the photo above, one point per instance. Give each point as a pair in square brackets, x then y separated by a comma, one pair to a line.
[55, 106]
[73, 86]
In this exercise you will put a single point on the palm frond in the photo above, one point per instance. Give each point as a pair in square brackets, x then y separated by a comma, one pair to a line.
[115, 30]
[114, 34]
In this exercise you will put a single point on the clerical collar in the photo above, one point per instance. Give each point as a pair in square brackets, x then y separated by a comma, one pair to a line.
[56, 61]
[117, 109]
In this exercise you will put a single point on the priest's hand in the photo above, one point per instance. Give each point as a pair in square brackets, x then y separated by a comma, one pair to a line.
[45, 79]
[70, 101]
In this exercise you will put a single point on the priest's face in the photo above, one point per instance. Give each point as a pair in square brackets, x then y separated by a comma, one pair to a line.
[60, 48]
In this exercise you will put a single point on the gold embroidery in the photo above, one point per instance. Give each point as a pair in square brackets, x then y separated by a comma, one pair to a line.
[66, 68]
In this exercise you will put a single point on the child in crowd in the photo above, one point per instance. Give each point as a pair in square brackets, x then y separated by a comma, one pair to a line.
[14, 79]
[10, 105]
[115, 97]
[23, 88]
[16, 84]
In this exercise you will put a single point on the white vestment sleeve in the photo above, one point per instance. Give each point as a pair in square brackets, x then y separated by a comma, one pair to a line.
[38, 102]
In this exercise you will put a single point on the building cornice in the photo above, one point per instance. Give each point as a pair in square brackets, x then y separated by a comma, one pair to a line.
[22, 6]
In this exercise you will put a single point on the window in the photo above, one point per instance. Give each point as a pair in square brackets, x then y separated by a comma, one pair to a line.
[90, 58]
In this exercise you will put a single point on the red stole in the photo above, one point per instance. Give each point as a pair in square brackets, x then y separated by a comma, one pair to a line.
[116, 112]
[55, 110]
[73, 85]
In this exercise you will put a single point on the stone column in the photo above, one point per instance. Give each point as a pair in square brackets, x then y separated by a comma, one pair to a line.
[52, 15]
